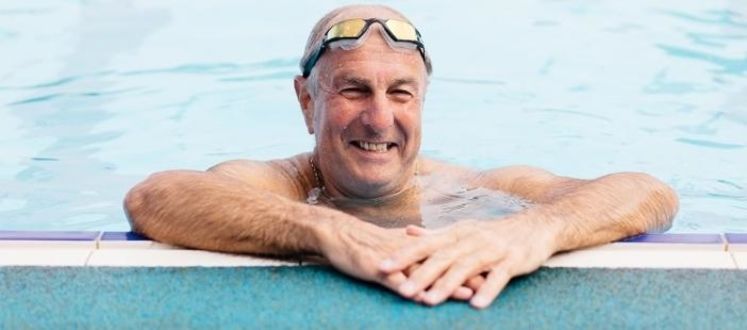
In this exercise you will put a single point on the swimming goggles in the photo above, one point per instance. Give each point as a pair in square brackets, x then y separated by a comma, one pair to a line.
[400, 34]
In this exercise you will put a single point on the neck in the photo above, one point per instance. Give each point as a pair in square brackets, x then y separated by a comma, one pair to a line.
[337, 196]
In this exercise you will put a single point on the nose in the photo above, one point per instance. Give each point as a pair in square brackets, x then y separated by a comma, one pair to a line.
[379, 115]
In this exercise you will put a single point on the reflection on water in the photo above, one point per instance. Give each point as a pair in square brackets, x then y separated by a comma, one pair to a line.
[433, 202]
[446, 203]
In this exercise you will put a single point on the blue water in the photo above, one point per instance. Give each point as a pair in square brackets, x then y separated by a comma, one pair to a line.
[94, 95]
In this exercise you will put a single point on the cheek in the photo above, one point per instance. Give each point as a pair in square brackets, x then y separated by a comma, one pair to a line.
[335, 121]
[411, 119]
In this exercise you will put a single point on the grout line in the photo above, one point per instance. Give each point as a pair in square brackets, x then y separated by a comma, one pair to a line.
[98, 240]
[734, 260]
[725, 241]
[88, 258]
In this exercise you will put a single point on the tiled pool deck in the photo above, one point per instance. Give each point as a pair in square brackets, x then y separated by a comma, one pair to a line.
[127, 249]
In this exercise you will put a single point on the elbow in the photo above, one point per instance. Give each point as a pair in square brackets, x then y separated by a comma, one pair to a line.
[140, 205]
[135, 205]
[671, 200]
[661, 199]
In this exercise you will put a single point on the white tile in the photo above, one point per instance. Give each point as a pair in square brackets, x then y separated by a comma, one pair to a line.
[125, 244]
[43, 256]
[662, 246]
[740, 257]
[164, 246]
[177, 258]
[657, 258]
[137, 245]
[738, 247]
[12, 244]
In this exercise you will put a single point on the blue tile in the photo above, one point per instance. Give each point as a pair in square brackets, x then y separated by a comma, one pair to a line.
[736, 238]
[14, 235]
[123, 236]
[676, 238]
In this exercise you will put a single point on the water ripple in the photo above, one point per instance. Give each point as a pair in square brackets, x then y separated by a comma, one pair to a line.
[733, 66]
[714, 40]
[37, 99]
[45, 159]
[710, 144]
[54, 96]
[718, 17]
[58, 82]
[25, 11]
[262, 77]
[470, 81]
[661, 85]
[216, 68]
[571, 112]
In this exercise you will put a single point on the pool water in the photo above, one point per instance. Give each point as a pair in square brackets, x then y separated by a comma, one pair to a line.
[96, 95]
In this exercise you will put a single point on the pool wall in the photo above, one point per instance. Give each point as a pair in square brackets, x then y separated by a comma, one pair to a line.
[670, 281]
[127, 249]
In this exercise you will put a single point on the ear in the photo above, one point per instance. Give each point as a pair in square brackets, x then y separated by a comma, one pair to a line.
[305, 101]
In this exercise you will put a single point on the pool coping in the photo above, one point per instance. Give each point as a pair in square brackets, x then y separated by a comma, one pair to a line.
[129, 249]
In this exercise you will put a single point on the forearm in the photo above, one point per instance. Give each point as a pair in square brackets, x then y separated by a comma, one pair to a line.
[206, 211]
[605, 210]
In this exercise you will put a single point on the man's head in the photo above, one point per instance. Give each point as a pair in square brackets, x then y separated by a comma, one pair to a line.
[363, 101]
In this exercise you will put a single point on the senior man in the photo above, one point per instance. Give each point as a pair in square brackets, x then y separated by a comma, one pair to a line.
[357, 199]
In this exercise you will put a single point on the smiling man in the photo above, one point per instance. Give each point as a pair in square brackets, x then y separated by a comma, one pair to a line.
[358, 199]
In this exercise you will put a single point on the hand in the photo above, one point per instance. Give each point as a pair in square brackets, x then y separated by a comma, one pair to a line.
[357, 248]
[453, 255]
[473, 283]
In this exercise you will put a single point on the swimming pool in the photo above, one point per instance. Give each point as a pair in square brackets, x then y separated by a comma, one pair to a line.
[96, 95]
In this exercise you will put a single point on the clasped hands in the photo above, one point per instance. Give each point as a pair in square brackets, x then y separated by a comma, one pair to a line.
[469, 260]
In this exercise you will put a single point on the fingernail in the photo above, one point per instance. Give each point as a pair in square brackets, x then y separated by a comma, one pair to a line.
[432, 297]
[386, 264]
[407, 288]
[480, 302]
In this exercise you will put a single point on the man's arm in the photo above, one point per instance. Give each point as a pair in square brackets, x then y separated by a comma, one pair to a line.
[589, 212]
[253, 207]
[568, 214]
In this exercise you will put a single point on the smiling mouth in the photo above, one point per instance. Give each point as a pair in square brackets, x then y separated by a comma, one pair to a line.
[374, 146]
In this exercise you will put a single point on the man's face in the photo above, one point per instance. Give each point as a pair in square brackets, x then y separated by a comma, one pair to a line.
[366, 116]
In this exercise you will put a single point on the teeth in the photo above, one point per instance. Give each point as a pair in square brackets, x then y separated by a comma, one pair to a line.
[370, 146]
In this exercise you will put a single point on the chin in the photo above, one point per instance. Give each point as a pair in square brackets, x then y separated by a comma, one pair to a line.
[379, 184]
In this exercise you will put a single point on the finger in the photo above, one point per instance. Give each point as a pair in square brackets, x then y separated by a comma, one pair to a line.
[475, 282]
[413, 253]
[459, 273]
[427, 273]
[393, 281]
[415, 230]
[494, 283]
[462, 293]
[411, 269]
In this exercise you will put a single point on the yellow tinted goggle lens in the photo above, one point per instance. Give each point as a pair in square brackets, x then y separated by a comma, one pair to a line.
[347, 29]
[402, 30]
[403, 33]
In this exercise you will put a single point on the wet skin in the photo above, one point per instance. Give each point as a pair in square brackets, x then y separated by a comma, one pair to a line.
[365, 113]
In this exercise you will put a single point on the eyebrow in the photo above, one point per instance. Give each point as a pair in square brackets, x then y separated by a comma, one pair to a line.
[352, 81]
[405, 81]
[357, 81]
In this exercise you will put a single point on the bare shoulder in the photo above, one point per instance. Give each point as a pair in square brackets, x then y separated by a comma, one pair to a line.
[530, 182]
[288, 176]
[429, 166]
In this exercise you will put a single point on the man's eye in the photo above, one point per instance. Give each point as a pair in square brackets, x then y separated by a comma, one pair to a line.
[353, 92]
[401, 94]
